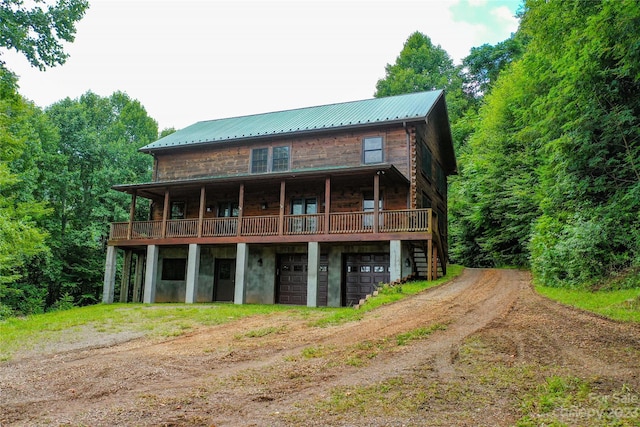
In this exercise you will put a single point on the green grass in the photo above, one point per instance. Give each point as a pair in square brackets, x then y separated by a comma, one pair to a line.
[419, 333]
[169, 320]
[387, 295]
[157, 320]
[562, 401]
[621, 305]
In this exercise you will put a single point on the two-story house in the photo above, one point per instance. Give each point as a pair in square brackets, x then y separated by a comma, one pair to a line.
[314, 206]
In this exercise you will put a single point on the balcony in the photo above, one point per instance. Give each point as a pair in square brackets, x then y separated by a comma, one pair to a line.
[327, 227]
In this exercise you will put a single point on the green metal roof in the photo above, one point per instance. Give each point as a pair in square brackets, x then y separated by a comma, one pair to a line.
[409, 107]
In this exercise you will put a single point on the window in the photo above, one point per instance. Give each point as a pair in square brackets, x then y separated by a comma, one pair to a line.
[441, 183]
[228, 210]
[259, 160]
[303, 207]
[177, 210]
[174, 269]
[368, 205]
[267, 159]
[426, 161]
[426, 201]
[372, 150]
[280, 159]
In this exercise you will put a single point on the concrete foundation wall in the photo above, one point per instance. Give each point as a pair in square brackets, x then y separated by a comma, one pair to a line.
[261, 279]
[206, 278]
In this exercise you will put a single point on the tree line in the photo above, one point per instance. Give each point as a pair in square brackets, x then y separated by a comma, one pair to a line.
[545, 126]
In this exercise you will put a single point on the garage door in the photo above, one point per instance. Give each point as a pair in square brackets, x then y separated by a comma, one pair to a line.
[292, 280]
[362, 273]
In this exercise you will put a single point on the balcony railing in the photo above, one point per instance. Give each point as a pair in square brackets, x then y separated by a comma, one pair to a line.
[397, 221]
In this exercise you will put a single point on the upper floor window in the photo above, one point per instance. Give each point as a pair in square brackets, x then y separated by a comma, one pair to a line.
[280, 159]
[372, 150]
[441, 183]
[266, 159]
[426, 160]
[259, 160]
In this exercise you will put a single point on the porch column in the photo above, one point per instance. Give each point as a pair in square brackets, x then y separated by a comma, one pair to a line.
[395, 260]
[165, 213]
[203, 202]
[376, 201]
[434, 269]
[312, 273]
[132, 213]
[429, 259]
[327, 203]
[242, 264]
[281, 214]
[240, 211]
[137, 282]
[193, 265]
[126, 275]
[150, 277]
[109, 276]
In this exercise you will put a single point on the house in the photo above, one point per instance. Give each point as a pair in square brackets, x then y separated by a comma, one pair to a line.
[314, 206]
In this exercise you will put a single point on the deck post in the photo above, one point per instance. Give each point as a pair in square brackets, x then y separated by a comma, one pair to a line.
[376, 202]
[193, 265]
[240, 209]
[430, 259]
[283, 192]
[395, 260]
[327, 203]
[313, 265]
[165, 213]
[109, 276]
[126, 276]
[132, 213]
[151, 274]
[434, 269]
[242, 264]
[203, 202]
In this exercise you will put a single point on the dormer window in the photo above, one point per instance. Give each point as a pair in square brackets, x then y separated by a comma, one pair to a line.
[372, 150]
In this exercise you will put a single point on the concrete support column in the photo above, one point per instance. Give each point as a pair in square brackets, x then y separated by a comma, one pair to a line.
[151, 275]
[334, 297]
[395, 260]
[109, 276]
[242, 264]
[313, 266]
[193, 265]
[126, 275]
[137, 282]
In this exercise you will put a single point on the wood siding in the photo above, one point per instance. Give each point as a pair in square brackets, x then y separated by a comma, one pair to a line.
[330, 151]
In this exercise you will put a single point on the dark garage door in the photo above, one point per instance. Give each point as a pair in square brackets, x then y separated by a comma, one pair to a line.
[292, 280]
[362, 273]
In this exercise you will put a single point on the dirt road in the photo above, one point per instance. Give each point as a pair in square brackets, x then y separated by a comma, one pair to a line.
[475, 351]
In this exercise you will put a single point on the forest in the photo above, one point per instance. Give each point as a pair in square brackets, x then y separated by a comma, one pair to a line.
[545, 123]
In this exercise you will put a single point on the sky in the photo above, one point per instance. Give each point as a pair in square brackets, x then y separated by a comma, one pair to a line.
[187, 60]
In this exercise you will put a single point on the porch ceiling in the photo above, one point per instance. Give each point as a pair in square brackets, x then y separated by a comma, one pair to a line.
[389, 174]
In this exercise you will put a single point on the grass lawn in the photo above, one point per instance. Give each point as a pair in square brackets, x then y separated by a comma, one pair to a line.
[621, 305]
[165, 320]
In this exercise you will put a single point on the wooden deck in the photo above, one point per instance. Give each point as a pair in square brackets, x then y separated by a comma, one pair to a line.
[280, 227]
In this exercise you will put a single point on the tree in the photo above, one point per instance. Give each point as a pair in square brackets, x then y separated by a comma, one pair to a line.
[421, 66]
[98, 148]
[38, 33]
[20, 236]
[484, 64]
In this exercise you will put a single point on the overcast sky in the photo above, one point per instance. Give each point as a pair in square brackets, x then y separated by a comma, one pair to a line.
[187, 61]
